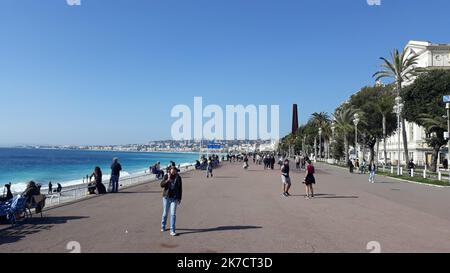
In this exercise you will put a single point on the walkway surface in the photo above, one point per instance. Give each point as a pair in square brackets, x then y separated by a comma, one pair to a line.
[244, 211]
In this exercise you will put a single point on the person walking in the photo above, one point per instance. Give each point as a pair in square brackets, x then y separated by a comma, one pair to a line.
[115, 175]
[350, 166]
[411, 166]
[172, 194]
[272, 162]
[297, 162]
[209, 169]
[357, 165]
[246, 162]
[285, 178]
[372, 170]
[309, 180]
[363, 167]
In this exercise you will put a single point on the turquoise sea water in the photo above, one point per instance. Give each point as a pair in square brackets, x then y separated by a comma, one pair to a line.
[63, 166]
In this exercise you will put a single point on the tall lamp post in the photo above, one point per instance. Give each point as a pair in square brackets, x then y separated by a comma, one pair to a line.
[356, 121]
[320, 143]
[398, 107]
[333, 127]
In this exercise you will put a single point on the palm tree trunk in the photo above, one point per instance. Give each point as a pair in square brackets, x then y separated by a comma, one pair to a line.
[346, 149]
[384, 140]
[405, 143]
[435, 159]
[405, 139]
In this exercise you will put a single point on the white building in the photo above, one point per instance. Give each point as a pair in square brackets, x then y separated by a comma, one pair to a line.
[431, 56]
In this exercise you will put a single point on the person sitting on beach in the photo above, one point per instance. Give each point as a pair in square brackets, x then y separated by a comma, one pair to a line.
[33, 196]
[58, 188]
[8, 195]
[157, 170]
[99, 188]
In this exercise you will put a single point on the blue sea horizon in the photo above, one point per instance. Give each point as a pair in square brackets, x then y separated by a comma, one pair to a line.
[20, 165]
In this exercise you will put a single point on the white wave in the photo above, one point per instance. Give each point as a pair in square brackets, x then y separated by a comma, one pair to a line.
[21, 186]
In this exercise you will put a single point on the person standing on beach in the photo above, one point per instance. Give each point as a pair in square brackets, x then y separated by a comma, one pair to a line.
[172, 193]
[50, 187]
[115, 175]
[309, 180]
[285, 178]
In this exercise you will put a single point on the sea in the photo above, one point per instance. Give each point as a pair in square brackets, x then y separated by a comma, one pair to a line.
[69, 167]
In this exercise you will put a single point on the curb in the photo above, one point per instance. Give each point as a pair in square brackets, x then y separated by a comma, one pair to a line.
[398, 179]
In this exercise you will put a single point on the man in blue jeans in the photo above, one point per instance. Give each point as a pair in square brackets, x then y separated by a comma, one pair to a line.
[115, 174]
[172, 193]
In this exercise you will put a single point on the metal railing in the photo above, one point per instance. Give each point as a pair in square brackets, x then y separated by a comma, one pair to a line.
[77, 192]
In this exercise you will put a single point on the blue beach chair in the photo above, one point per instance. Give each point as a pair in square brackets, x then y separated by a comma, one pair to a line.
[15, 208]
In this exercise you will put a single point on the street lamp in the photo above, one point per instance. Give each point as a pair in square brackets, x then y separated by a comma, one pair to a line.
[356, 121]
[333, 128]
[320, 142]
[398, 107]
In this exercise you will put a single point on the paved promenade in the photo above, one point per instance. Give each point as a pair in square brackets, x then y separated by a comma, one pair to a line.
[244, 211]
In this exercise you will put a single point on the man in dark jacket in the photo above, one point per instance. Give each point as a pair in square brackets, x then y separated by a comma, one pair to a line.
[173, 190]
[115, 174]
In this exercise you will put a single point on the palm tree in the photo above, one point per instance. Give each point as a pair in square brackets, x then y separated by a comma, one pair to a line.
[435, 126]
[401, 68]
[322, 120]
[344, 125]
[384, 106]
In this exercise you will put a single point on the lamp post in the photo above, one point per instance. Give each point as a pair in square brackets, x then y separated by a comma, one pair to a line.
[356, 121]
[398, 107]
[447, 107]
[320, 143]
[333, 127]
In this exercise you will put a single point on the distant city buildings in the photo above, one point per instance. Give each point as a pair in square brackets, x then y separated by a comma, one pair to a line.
[185, 146]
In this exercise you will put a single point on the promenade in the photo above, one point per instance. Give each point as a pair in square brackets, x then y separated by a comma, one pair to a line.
[244, 211]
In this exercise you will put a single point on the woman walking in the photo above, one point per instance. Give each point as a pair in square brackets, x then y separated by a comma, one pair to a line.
[309, 180]
[372, 170]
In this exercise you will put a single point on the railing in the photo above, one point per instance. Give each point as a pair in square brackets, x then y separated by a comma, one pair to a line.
[77, 192]
[440, 175]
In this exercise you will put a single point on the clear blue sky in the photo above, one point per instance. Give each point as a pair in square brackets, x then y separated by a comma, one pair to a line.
[109, 72]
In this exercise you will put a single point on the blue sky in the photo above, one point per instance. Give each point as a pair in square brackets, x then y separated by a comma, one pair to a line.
[109, 72]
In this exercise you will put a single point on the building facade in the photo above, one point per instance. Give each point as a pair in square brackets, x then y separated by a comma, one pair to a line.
[431, 56]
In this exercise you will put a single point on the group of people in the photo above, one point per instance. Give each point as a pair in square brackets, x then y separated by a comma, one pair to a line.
[363, 168]
[308, 179]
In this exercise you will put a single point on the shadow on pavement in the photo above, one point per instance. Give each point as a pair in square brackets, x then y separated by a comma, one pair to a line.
[11, 234]
[222, 228]
[330, 196]
[137, 192]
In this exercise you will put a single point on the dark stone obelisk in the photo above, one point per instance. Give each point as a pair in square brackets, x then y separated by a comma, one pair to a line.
[294, 119]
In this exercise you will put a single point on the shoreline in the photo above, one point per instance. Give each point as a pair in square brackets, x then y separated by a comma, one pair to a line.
[97, 150]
